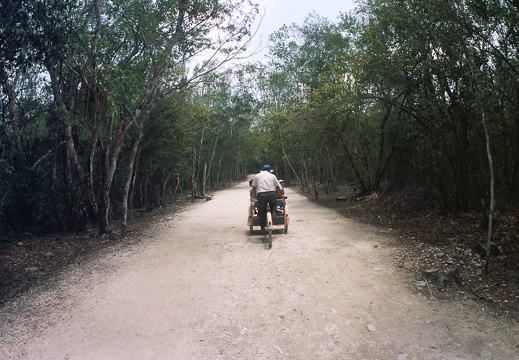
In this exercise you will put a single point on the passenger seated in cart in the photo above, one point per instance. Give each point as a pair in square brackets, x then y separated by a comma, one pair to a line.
[265, 187]
[280, 203]
[251, 194]
[281, 193]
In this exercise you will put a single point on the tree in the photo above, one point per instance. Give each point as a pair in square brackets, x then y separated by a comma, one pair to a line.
[107, 64]
[312, 91]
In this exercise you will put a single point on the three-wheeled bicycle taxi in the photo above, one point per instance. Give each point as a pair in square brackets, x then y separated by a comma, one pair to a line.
[277, 217]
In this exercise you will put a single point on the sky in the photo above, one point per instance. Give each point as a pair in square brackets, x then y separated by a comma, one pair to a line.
[286, 12]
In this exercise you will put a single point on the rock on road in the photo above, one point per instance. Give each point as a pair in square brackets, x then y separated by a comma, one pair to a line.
[200, 286]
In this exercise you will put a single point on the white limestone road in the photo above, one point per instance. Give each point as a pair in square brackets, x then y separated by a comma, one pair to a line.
[200, 286]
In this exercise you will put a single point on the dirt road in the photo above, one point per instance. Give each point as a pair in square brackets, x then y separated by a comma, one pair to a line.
[199, 286]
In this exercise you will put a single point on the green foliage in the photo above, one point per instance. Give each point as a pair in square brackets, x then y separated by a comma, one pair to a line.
[98, 98]
[68, 140]
[438, 63]
[395, 97]
[170, 135]
[33, 30]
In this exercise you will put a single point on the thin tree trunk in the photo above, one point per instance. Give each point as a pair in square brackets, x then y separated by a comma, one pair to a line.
[333, 174]
[145, 192]
[208, 174]
[219, 171]
[352, 163]
[193, 176]
[204, 178]
[11, 106]
[72, 154]
[285, 157]
[141, 113]
[177, 185]
[491, 206]
[304, 170]
[111, 161]
[163, 192]
[141, 193]
[134, 182]
[129, 177]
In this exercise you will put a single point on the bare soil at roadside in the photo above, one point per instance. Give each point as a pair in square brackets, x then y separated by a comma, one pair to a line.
[198, 285]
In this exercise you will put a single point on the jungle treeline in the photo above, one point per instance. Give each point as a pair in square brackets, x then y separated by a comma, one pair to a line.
[111, 108]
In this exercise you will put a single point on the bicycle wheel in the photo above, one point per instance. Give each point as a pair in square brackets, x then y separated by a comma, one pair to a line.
[285, 218]
[251, 219]
[269, 228]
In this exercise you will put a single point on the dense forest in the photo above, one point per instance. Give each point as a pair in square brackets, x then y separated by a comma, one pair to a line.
[109, 108]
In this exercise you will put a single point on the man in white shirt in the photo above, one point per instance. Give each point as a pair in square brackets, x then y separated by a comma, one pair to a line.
[265, 187]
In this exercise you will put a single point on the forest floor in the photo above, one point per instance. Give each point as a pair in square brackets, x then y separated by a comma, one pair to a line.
[427, 240]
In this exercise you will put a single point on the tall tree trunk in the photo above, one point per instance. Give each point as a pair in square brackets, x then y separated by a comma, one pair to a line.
[141, 196]
[353, 164]
[204, 178]
[129, 178]
[144, 107]
[207, 176]
[492, 181]
[285, 156]
[193, 175]
[62, 114]
[333, 175]
[129, 207]
[163, 191]
[177, 185]
[304, 170]
[219, 171]
[11, 107]
[145, 191]
[111, 163]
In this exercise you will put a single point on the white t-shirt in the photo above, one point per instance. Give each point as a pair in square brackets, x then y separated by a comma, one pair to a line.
[265, 181]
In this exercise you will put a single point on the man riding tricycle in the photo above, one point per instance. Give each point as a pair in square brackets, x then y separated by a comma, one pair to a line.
[268, 206]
